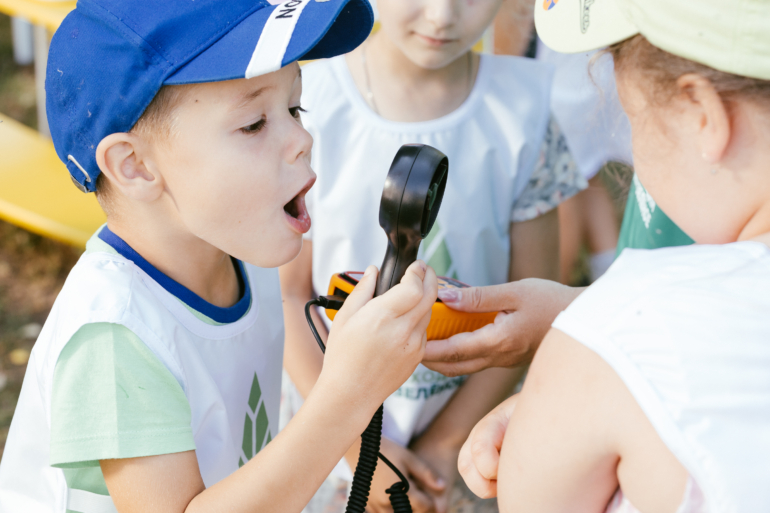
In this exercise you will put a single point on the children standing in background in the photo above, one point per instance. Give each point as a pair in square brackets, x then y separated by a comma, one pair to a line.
[584, 99]
[416, 81]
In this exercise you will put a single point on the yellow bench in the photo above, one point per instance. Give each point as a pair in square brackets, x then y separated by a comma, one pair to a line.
[35, 188]
[38, 12]
[36, 192]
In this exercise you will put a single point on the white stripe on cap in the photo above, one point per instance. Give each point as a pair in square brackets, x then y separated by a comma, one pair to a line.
[275, 37]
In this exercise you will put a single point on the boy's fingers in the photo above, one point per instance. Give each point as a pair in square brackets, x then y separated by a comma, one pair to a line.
[361, 294]
[419, 268]
[405, 296]
[429, 289]
[422, 311]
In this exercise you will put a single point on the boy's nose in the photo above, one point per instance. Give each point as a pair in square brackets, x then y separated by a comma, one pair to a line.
[300, 143]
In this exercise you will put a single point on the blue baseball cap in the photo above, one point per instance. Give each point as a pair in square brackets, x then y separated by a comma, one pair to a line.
[109, 58]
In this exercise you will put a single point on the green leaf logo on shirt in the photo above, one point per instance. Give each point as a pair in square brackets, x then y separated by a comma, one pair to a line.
[436, 254]
[256, 432]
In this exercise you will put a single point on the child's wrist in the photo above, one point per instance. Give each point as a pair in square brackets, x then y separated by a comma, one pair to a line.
[358, 404]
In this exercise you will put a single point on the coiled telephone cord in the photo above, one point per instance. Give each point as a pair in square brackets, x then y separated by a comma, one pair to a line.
[370, 442]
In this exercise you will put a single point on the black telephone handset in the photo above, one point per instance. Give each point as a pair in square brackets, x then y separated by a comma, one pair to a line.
[410, 202]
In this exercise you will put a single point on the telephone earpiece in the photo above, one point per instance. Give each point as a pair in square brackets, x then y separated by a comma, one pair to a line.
[410, 202]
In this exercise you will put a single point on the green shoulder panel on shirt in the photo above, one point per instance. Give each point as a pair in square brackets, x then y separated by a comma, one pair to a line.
[97, 245]
[645, 225]
[113, 398]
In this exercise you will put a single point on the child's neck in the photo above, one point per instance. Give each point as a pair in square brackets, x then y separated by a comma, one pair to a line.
[403, 91]
[204, 269]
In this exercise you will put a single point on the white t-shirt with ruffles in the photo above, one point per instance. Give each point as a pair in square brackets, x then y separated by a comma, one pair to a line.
[495, 144]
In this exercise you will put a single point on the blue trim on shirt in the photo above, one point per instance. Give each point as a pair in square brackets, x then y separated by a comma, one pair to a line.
[185, 295]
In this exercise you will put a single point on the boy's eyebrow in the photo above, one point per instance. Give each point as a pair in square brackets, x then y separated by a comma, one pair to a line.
[246, 98]
[249, 97]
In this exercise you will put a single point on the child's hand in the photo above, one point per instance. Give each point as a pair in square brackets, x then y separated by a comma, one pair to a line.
[443, 461]
[527, 310]
[424, 484]
[375, 344]
[480, 455]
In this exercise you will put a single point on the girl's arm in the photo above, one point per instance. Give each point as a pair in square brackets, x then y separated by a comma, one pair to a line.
[575, 433]
[302, 357]
[535, 248]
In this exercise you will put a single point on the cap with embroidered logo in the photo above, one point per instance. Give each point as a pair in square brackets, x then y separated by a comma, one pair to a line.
[728, 35]
[109, 58]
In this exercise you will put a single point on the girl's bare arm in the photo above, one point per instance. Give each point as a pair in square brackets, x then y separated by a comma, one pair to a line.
[575, 433]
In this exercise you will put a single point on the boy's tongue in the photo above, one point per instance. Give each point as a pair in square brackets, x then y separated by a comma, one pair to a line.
[297, 214]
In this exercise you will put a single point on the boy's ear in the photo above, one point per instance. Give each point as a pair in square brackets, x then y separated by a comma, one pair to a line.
[124, 159]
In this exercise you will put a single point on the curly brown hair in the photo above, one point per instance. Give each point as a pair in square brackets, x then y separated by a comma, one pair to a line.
[662, 69]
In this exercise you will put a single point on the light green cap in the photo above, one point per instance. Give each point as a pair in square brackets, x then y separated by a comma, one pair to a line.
[728, 35]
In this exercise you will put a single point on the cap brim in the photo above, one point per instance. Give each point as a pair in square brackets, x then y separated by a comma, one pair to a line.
[573, 26]
[324, 29]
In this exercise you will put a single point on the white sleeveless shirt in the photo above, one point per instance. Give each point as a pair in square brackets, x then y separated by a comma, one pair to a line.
[687, 329]
[216, 366]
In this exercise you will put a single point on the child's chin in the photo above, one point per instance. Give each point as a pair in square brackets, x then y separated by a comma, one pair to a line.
[288, 251]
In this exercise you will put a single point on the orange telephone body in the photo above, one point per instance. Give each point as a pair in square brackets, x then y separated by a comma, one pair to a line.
[444, 322]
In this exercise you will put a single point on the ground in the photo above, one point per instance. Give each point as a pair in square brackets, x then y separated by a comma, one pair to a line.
[32, 268]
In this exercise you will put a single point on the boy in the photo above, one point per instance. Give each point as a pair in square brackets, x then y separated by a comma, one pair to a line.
[157, 374]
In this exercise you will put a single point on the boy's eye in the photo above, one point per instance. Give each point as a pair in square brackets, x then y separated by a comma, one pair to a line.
[294, 111]
[255, 127]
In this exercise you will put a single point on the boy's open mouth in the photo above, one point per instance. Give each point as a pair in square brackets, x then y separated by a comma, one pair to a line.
[296, 210]
[296, 207]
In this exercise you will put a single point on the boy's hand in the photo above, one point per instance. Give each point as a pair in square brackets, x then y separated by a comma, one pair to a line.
[375, 344]
[480, 455]
[424, 484]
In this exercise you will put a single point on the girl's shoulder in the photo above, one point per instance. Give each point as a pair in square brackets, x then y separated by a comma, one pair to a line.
[685, 286]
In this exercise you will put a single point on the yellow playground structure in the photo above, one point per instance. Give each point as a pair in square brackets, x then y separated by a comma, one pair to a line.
[35, 189]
